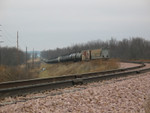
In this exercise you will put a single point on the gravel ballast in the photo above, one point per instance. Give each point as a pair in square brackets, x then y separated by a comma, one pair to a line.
[124, 96]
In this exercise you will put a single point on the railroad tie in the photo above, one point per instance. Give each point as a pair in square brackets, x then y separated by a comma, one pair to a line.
[77, 81]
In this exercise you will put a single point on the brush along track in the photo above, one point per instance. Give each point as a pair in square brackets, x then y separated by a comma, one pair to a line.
[37, 85]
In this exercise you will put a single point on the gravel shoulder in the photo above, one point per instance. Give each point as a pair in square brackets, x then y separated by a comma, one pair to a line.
[128, 95]
[127, 65]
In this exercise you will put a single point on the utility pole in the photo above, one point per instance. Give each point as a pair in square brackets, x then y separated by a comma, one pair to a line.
[1, 53]
[33, 59]
[26, 59]
[17, 48]
[17, 40]
[1, 50]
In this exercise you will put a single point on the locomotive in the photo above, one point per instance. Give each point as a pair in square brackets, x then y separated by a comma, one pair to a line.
[84, 55]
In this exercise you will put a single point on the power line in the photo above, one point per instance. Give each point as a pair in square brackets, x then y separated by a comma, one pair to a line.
[11, 39]
[7, 40]
[7, 36]
[7, 33]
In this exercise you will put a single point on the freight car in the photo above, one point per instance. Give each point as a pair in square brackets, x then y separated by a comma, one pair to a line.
[84, 55]
[95, 54]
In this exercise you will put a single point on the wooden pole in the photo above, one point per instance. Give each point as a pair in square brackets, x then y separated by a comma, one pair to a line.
[33, 59]
[17, 48]
[26, 59]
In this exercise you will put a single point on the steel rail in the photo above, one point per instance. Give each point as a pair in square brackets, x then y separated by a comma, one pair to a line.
[62, 83]
[19, 83]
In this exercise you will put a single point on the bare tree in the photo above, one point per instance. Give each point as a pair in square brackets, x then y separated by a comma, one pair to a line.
[133, 48]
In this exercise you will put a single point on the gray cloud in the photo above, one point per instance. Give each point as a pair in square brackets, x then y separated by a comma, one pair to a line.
[45, 24]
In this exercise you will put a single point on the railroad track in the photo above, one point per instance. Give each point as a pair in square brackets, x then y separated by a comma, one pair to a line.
[37, 85]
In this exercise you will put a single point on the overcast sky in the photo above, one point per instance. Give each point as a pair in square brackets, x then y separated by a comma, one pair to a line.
[48, 24]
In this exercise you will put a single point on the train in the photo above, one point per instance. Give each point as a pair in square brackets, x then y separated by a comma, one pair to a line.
[84, 55]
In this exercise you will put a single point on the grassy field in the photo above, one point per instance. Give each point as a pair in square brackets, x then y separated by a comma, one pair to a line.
[20, 72]
[13, 73]
[41, 70]
[50, 70]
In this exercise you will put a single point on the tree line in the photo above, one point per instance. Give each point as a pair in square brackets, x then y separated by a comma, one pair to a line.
[133, 48]
[11, 56]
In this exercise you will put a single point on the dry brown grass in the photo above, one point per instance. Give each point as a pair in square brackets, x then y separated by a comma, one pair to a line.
[77, 67]
[14, 73]
[20, 73]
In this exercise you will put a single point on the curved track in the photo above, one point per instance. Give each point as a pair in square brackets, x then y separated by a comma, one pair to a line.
[36, 85]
